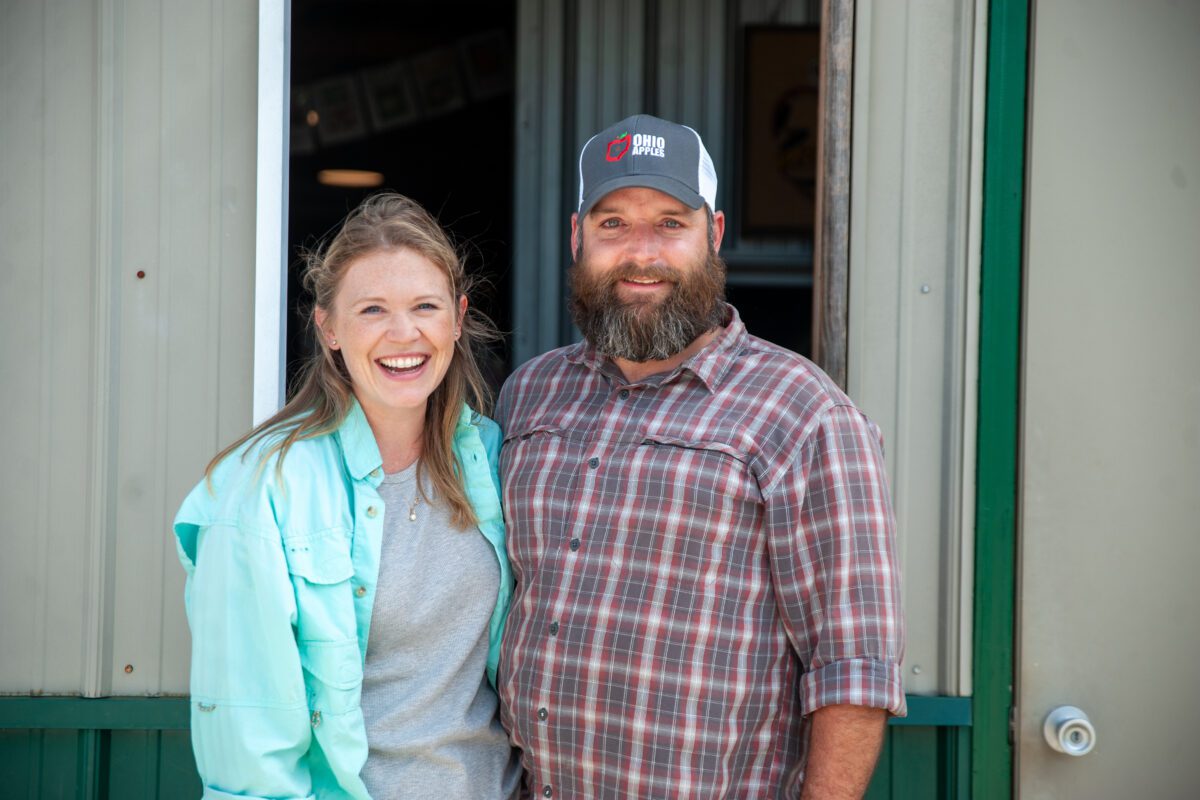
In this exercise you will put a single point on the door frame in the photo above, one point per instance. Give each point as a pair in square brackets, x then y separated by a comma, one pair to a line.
[997, 466]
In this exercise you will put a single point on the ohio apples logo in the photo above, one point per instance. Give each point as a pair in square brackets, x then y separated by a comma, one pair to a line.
[618, 147]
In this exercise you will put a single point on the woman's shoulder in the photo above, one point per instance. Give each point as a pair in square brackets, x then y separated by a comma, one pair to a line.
[244, 488]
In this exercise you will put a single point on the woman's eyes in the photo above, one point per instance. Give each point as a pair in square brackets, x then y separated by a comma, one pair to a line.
[376, 309]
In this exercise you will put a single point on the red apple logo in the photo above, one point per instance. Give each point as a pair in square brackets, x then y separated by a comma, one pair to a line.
[618, 147]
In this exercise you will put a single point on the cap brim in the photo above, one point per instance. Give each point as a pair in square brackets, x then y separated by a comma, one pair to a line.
[660, 183]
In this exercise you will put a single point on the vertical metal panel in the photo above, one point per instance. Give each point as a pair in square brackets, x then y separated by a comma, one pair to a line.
[908, 329]
[539, 225]
[47, 273]
[691, 81]
[130, 149]
[186, 354]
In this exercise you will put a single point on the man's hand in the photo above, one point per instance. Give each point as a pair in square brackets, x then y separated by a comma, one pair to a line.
[842, 750]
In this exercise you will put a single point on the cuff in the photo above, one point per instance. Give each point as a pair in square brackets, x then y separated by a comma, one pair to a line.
[854, 682]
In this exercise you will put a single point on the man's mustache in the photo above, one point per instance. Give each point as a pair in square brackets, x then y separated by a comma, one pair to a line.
[653, 272]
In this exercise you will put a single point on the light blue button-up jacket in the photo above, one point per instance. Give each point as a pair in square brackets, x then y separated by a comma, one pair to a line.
[281, 578]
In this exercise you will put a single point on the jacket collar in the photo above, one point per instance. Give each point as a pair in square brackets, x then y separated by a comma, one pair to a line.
[360, 451]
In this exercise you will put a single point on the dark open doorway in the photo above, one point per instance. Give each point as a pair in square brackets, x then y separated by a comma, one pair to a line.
[420, 93]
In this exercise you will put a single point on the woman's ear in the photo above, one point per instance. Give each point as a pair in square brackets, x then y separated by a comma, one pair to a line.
[320, 317]
[462, 314]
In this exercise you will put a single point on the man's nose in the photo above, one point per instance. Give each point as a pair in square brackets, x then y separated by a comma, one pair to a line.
[642, 244]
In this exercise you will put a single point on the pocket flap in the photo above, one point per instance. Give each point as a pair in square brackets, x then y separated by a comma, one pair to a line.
[323, 559]
[335, 664]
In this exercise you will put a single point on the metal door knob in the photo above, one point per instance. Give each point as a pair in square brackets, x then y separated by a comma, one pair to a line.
[1068, 730]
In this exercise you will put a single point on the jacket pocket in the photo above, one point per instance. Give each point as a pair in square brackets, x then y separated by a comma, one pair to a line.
[333, 675]
[321, 559]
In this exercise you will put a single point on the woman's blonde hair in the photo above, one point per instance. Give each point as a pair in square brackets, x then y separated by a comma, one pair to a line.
[323, 391]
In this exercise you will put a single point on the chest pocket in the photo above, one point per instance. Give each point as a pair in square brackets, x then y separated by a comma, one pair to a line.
[321, 572]
[715, 471]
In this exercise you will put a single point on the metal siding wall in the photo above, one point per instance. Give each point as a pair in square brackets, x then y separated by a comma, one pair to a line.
[47, 183]
[910, 273]
[132, 149]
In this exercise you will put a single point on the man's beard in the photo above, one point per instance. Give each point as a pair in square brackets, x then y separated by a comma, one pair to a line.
[648, 329]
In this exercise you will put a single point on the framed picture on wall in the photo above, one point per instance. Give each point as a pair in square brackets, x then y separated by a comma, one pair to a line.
[778, 142]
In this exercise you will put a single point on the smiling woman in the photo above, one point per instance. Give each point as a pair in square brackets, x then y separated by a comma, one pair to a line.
[395, 322]
[333, 624]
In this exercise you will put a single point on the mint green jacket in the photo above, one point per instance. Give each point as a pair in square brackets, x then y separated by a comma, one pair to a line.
[281, 580]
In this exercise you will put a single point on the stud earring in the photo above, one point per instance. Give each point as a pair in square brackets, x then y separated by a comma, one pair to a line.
[333, 342]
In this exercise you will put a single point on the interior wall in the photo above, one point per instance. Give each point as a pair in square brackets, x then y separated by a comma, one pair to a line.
[585, 64]
[127, 203]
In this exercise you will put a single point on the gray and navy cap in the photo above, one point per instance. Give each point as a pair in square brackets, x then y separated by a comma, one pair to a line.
[648, 152]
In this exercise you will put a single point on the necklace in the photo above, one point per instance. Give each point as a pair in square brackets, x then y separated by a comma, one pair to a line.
[412, 508]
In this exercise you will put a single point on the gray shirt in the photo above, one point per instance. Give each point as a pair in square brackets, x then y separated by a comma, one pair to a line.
[432, 725]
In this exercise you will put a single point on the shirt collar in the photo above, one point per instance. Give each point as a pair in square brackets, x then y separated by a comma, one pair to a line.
[709, 365]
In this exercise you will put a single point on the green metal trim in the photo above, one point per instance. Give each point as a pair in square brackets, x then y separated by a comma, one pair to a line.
[171, 713]
[936, 712]
[999, 381]
[100, 713]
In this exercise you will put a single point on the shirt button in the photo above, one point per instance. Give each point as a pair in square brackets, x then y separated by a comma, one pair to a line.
[547, 791]
[574, 544]
[360, 591]
[372, 512]
[543, 714]
[623, 394]
[375, 473]
[554, 629]
[593, 462]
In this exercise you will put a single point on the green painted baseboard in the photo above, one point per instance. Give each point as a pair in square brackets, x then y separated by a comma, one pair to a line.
[171, 713]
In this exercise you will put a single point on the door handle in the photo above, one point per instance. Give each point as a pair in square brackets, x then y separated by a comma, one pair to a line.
[1068, 730]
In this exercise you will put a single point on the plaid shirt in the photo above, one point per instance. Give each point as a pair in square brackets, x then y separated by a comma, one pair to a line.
[703, 559]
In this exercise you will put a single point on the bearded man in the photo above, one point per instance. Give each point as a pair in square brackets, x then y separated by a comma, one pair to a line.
[707, 600]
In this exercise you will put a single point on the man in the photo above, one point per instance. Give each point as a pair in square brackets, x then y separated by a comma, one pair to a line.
[698, 520]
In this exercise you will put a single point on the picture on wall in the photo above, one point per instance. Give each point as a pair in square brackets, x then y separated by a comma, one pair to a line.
[781, 72]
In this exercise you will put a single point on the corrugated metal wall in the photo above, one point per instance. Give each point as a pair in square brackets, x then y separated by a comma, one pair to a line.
[127, 263]
[917, 144]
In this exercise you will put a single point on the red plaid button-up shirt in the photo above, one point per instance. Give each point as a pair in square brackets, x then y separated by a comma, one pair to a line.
[703, 558]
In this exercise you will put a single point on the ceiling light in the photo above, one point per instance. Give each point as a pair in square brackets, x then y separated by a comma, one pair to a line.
[350, 178]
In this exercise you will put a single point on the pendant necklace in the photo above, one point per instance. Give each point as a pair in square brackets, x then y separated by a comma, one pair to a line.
[412, 509]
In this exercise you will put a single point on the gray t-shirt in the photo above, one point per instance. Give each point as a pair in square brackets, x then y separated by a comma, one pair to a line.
[432, 725]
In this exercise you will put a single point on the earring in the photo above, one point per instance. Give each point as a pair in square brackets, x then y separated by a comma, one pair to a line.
[333, 342]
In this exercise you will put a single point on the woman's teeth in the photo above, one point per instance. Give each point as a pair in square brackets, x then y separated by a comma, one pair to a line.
[403, 363]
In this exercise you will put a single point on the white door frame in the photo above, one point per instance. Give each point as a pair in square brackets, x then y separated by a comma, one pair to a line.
[270, 253]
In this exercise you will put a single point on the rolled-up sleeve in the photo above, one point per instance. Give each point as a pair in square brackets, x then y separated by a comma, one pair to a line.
[250, 722]
[832, 542]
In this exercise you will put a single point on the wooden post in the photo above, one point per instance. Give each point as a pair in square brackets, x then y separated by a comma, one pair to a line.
[831, 250]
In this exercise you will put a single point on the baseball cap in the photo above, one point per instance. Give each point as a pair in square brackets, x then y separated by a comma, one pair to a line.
[648, 152]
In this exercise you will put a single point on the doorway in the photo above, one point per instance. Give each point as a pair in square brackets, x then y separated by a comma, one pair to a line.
[415, 97]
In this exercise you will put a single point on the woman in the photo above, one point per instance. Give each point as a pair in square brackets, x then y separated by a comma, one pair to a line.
[360, 523]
